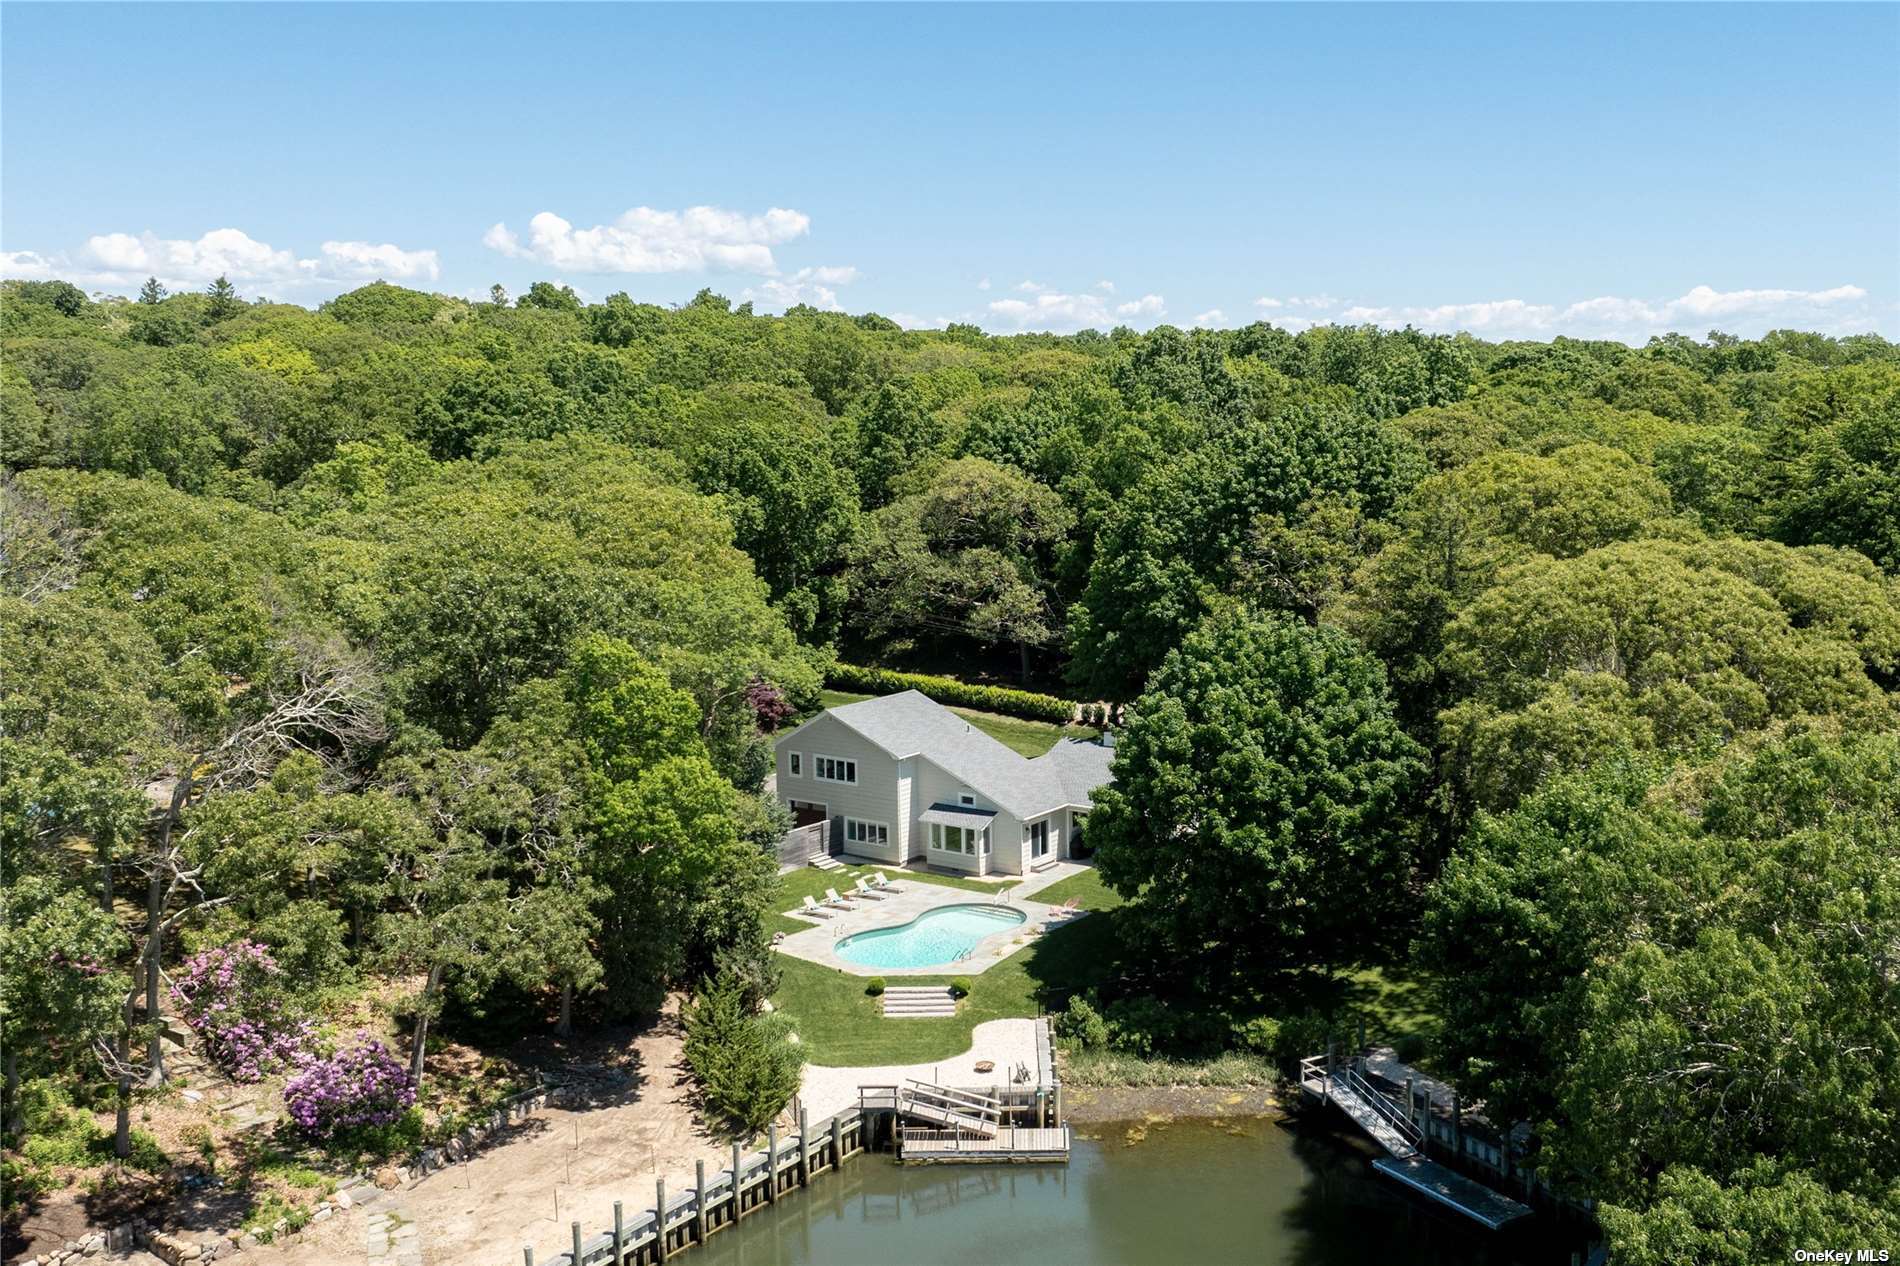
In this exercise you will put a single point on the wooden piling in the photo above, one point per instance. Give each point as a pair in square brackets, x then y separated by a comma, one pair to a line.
[771, 1163]
[735, 1183]
[837, 1143]
[1411, 1103]
[699, 1209]
[659, 1219]
[575, 1227]
[527, 1255]
[620, 1234]
[804, 1149]
[1457, 1125]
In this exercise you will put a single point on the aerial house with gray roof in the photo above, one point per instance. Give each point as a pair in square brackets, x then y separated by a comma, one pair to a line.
[906, 779]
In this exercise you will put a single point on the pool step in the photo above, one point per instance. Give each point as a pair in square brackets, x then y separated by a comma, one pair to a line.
[913, 1000]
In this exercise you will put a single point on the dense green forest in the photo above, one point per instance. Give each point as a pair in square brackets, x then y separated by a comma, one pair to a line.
[441, 641]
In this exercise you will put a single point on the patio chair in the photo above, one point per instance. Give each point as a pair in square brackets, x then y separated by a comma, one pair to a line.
[812, 908]
[862, 889]
[882, 884]
[833, 899]
[1067, 910]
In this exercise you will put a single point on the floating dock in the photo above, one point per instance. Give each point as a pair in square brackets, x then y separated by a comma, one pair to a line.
[1397, 1131]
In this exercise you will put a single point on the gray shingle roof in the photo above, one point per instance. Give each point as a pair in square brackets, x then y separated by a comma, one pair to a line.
[909, 724]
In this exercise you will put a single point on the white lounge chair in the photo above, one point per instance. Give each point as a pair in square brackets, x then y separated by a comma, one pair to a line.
[833, 899]
[1067, 910]
[812, 908]
[882, 884]
[862, 889]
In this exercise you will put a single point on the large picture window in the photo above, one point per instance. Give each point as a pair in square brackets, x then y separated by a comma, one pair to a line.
[832, 769]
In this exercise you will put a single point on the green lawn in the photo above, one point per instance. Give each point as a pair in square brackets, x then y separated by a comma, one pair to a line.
[1086, 887]
[1031, 738]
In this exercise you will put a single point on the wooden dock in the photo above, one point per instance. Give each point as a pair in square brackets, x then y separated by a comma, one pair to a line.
[1010, 1144]
[1405, 1162]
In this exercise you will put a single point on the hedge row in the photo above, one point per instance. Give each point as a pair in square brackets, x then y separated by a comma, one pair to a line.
[948, 690]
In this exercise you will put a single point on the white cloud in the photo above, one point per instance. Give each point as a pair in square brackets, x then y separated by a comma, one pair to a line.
[812, 286]
[1749, 311]
[644, 240]
[1106, 287]
[1210, 318]
[366, 259]
[1266, 303]
[1052, 310]
[1031, 287]
[984, 284]
[122, 261]
[911, 321]
[27, 266]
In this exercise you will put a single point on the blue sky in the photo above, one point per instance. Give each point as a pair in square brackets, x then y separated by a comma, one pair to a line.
[1518, 171]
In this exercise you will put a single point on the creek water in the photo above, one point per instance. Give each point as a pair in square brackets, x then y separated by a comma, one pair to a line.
[1253, 1191]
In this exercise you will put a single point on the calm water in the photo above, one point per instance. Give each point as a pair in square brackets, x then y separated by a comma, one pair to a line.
[936, 936]
[1189, 1193]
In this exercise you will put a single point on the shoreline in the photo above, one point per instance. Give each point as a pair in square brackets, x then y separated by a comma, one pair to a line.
[1091, 1105]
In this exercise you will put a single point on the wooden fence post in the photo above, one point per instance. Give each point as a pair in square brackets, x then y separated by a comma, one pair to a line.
[699, 1209]
[771, 1163]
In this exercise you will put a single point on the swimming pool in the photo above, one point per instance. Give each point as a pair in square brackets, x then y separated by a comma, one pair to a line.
[941, 936]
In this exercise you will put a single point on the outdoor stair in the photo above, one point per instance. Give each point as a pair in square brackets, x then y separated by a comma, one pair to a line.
[925, 1001]
[825, 861]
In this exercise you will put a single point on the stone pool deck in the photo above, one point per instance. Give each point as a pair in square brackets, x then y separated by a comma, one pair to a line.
[815, 945]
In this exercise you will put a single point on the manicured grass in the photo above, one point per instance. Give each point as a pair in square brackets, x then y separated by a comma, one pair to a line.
[795, 886]
[1087, 887]
[840, 1024]
[1031, 738]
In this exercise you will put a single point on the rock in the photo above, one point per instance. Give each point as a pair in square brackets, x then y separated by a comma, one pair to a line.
[248, 1241]
[387, 1178]
[323, 1212]
[343, 1198]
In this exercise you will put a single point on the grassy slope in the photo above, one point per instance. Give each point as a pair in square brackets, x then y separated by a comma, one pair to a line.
[1031, 738]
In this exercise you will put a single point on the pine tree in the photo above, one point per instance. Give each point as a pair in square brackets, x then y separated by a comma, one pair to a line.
[151, 291]
[224, 300]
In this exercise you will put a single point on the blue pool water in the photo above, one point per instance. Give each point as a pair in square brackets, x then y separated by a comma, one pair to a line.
[933, 938]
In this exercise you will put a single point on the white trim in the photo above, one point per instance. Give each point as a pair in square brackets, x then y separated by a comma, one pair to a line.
[795, 764]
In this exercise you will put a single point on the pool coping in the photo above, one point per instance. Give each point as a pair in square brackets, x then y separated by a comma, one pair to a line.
[816, 943]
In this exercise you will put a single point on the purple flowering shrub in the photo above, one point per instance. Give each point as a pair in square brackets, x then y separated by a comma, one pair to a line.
[231, 997]
[364, 1085]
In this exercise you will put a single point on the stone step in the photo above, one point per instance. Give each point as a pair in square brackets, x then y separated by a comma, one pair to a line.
[826, 862]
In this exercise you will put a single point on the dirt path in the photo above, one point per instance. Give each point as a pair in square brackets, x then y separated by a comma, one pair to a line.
[560, 1166]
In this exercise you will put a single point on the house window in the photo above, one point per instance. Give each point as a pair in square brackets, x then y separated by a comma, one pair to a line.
[831, 769]
[1039, 839]
[966, 841]
[797, 765]
[966, 798]
[861, 832]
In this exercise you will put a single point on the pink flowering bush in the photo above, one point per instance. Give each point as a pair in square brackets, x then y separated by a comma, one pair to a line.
[362, 1086]
[232, 999]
